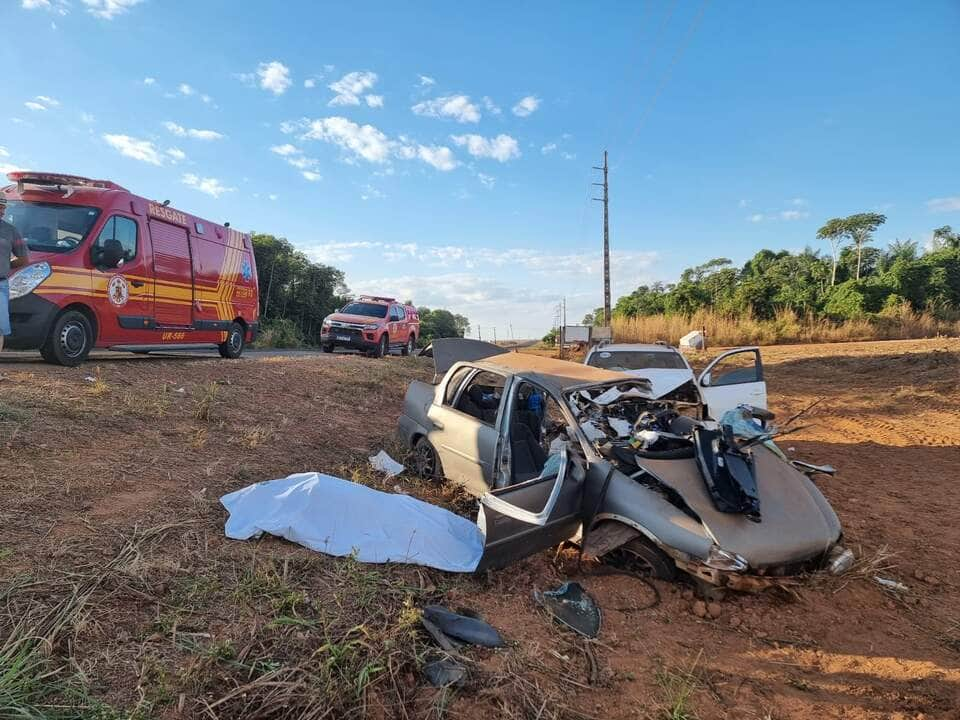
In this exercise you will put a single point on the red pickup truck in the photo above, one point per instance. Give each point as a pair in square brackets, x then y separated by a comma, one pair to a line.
[373, 325]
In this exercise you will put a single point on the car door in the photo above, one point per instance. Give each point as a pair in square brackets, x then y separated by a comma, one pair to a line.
[523, 519]
[127, 287]
[398, 326]
[733, 378]
[465, 426]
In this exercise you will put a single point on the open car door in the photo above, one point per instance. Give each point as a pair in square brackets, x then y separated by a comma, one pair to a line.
[731, 379]
[528, 517]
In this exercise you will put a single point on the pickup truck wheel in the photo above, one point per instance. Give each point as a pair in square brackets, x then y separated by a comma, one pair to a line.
[426, 462]
[409, 347]
[646, 558]
[383, 347]
[327, 348]
[70, 340]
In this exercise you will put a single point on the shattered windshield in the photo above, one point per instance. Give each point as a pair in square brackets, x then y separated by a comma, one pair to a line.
[50, 227]
[620, 360]
[374, 310]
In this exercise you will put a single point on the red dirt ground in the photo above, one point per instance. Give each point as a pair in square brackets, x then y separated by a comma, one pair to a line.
[84, 460]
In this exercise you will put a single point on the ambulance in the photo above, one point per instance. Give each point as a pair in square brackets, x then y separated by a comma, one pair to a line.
[109, 269]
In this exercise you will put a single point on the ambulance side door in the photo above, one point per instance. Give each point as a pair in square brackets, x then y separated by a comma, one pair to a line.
[126, 288]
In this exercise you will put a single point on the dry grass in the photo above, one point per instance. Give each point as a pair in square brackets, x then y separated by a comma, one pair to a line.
[786, 327]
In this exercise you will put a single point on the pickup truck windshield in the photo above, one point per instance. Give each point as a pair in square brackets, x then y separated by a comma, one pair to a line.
[373, 310]
[620, 360]
[50, 227]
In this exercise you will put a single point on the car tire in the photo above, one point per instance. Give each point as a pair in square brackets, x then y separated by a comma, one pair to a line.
[646, 558]
[326, 348]
[235, 343]
[409, 347]
[70, 340]
[383, 347]
[426, 462]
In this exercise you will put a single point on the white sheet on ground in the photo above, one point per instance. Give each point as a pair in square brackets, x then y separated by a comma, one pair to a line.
[338, 517]
[386, 464]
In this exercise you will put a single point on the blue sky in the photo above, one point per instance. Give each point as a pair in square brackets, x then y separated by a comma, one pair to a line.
[442, 152]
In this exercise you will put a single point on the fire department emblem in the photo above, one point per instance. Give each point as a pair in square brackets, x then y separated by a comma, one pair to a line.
[246, 270]
[118, 291]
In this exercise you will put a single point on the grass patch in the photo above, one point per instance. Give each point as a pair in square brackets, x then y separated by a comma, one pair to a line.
[677, 686]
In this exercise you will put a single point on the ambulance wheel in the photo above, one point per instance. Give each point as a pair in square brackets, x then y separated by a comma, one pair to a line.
[70, 340]
[383, 347]
[409, 347]
[327, 348]
[236, 342]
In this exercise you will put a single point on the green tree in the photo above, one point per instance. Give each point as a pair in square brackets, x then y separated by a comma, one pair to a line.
[833, 231]
[945, 238]
[441, 324]
[860, 228]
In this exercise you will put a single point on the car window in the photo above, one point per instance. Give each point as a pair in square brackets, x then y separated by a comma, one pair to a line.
[636, 360]
[482, 397]
[741, 367]
[121, 230]
[374, 310]
[454, 383]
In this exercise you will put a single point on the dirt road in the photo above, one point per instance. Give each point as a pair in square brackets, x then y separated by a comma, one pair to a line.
[180, 622]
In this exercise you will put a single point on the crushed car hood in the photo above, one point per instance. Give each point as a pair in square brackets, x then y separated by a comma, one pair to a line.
[663, 381]
[797, 522]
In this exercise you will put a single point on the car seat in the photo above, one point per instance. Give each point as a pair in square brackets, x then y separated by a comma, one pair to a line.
[528, 457]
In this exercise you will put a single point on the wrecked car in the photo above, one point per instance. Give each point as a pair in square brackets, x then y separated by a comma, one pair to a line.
[557, 450]
[733, 378]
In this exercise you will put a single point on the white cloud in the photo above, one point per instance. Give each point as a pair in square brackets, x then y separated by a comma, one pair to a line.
[793, 215]
[131, 147]
[487, 181]
[426, 80]
[502, 147]
[944, 204]
[368, 192]
[149, 81]
[274, 77]
[210, 186]
[36, 4]
[743, 203]
[374, 100]
[491, 106]
[571, 156]
[527, 106]
[309, 83]
[272, 196]
[181, 131]
[285, 150]
[35, 106]
[351, 86]
[440, 157]
[311, 176]
[548, 148]
[185, 89]
[363, 141]
[87, 118]
[109, 9]
[755, 218]
[177, 154]
[799, 202]
[4, 153]
[456, 107]
[48, 101]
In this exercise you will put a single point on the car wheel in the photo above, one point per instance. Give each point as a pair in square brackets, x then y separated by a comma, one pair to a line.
[235, 343]
[383, 347]
[426, 462]
[327, 348]
[409, 347]
[70, 340]
[646, 558]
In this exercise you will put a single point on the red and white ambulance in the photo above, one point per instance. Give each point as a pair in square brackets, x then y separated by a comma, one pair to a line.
[110, 269]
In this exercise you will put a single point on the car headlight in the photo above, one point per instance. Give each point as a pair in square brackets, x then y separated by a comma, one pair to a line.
[721, 559]
[370, 327]
[26, 280]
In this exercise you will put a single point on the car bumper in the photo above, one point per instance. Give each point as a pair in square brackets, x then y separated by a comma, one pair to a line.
[353, 341]
[30, 320]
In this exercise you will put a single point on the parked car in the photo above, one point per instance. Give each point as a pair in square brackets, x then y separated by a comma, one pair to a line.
[553, 451]
[732, 378]
[373, 325]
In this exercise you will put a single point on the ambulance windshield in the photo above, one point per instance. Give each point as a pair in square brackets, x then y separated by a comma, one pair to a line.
[49, 227]
[374, 310]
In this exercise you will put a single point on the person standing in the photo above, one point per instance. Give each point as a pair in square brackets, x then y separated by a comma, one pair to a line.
[11, 245]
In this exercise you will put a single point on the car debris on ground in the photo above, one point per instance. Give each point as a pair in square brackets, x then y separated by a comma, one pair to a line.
[342, 518]
[451, 631]
[572, 606]
[386, 464]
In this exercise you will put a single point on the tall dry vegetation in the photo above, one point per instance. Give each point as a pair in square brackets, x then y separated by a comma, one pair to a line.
[899, 323]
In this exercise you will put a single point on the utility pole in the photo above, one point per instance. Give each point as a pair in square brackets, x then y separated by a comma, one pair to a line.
[606, 240]
[494, 334]
[563, 324]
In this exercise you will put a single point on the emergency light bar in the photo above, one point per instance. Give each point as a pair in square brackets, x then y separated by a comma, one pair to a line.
[377, 298]
[24, 177]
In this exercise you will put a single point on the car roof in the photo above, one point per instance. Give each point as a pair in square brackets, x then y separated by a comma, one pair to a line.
[551, 374]
[635, 347]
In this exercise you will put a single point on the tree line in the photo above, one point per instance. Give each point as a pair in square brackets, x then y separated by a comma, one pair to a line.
[297, 293]
[853, 280]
